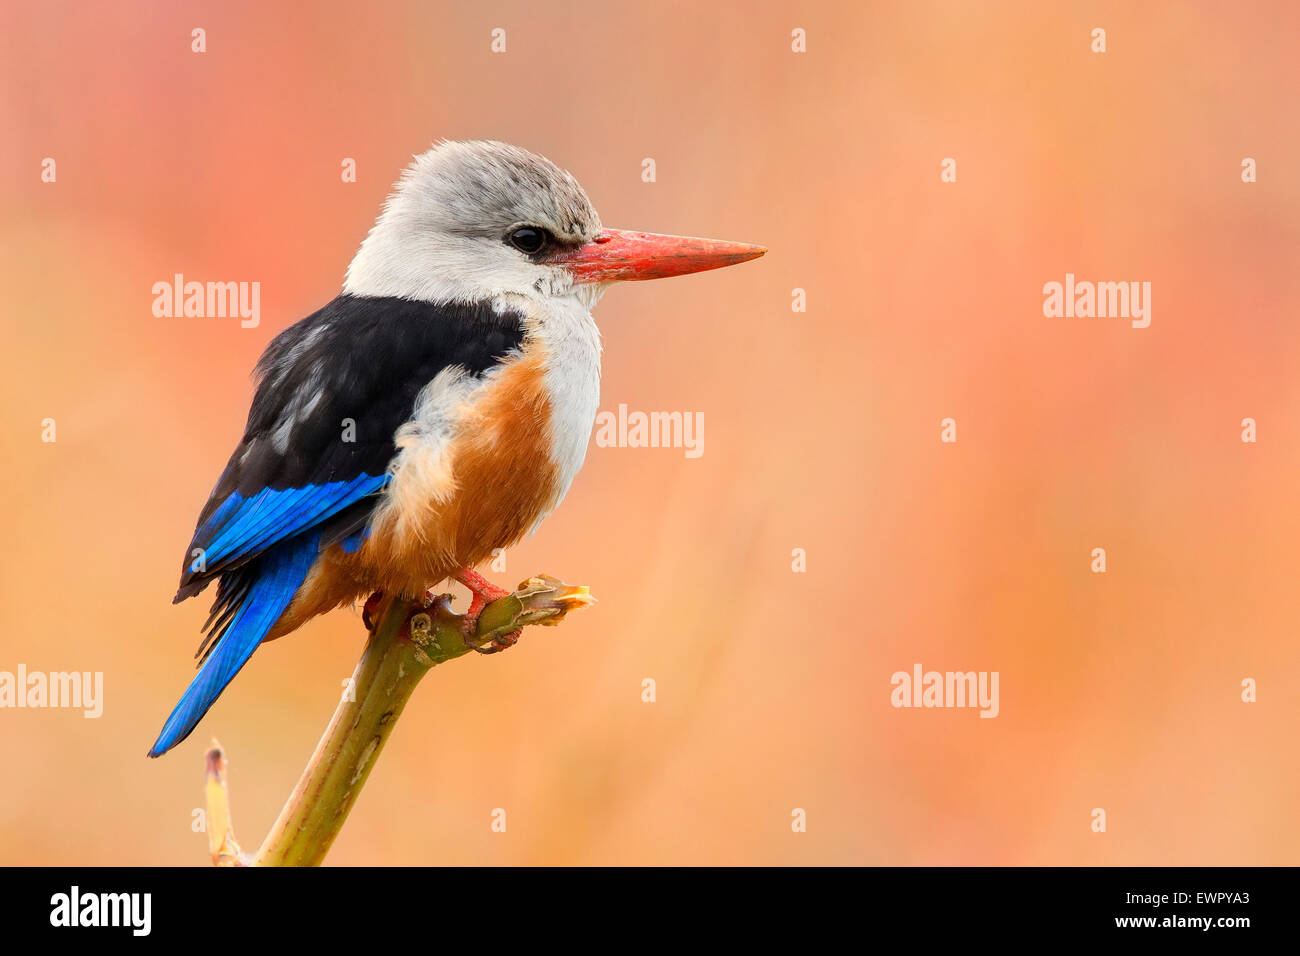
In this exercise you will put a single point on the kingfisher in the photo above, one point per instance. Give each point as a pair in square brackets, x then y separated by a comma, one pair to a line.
[436, 410]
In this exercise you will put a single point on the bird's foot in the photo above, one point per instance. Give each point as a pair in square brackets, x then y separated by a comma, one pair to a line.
[370, 609]
[484, 593]
[498, 643]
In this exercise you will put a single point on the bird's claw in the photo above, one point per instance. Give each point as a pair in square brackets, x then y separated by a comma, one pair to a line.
[497, 644]
[484, 593]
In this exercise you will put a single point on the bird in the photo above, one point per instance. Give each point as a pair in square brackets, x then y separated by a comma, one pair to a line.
[438, 408]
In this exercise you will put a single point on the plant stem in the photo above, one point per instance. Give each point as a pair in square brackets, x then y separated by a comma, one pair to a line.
[389, 670]
[405, 643]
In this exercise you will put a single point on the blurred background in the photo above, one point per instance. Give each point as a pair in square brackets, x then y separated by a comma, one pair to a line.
[924, 301]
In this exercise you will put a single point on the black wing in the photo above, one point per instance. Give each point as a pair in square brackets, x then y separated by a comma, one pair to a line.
[332, 391]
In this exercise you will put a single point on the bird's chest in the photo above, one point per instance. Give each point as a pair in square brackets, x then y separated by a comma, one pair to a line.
[483, 461]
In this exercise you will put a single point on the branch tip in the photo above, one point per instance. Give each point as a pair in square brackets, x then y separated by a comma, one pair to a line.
[222, 845]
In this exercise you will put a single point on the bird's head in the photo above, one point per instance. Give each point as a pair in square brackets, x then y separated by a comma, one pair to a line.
[475, 220]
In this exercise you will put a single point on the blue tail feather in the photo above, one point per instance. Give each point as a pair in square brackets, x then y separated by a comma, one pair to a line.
[281, 571]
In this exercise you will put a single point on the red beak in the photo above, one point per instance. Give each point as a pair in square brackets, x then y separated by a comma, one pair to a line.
[616, 254]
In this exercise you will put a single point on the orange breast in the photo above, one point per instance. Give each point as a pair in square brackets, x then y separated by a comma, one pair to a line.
[451, 502]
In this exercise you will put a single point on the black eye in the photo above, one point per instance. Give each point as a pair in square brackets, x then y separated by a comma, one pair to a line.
[528, 239]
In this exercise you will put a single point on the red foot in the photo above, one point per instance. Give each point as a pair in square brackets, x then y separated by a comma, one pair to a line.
[484, 593]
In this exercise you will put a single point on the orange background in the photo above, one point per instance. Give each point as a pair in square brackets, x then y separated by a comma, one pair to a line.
[1119, 691]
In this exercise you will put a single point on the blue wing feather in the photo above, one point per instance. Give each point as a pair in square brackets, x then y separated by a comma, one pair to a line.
[242, 527]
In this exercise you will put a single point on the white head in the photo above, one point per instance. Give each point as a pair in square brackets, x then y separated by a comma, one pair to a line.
[471, 221]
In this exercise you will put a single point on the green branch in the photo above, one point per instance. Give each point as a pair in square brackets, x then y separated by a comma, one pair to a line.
[406, 641]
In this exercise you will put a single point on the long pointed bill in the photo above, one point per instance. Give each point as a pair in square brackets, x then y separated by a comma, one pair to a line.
[619, 255]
